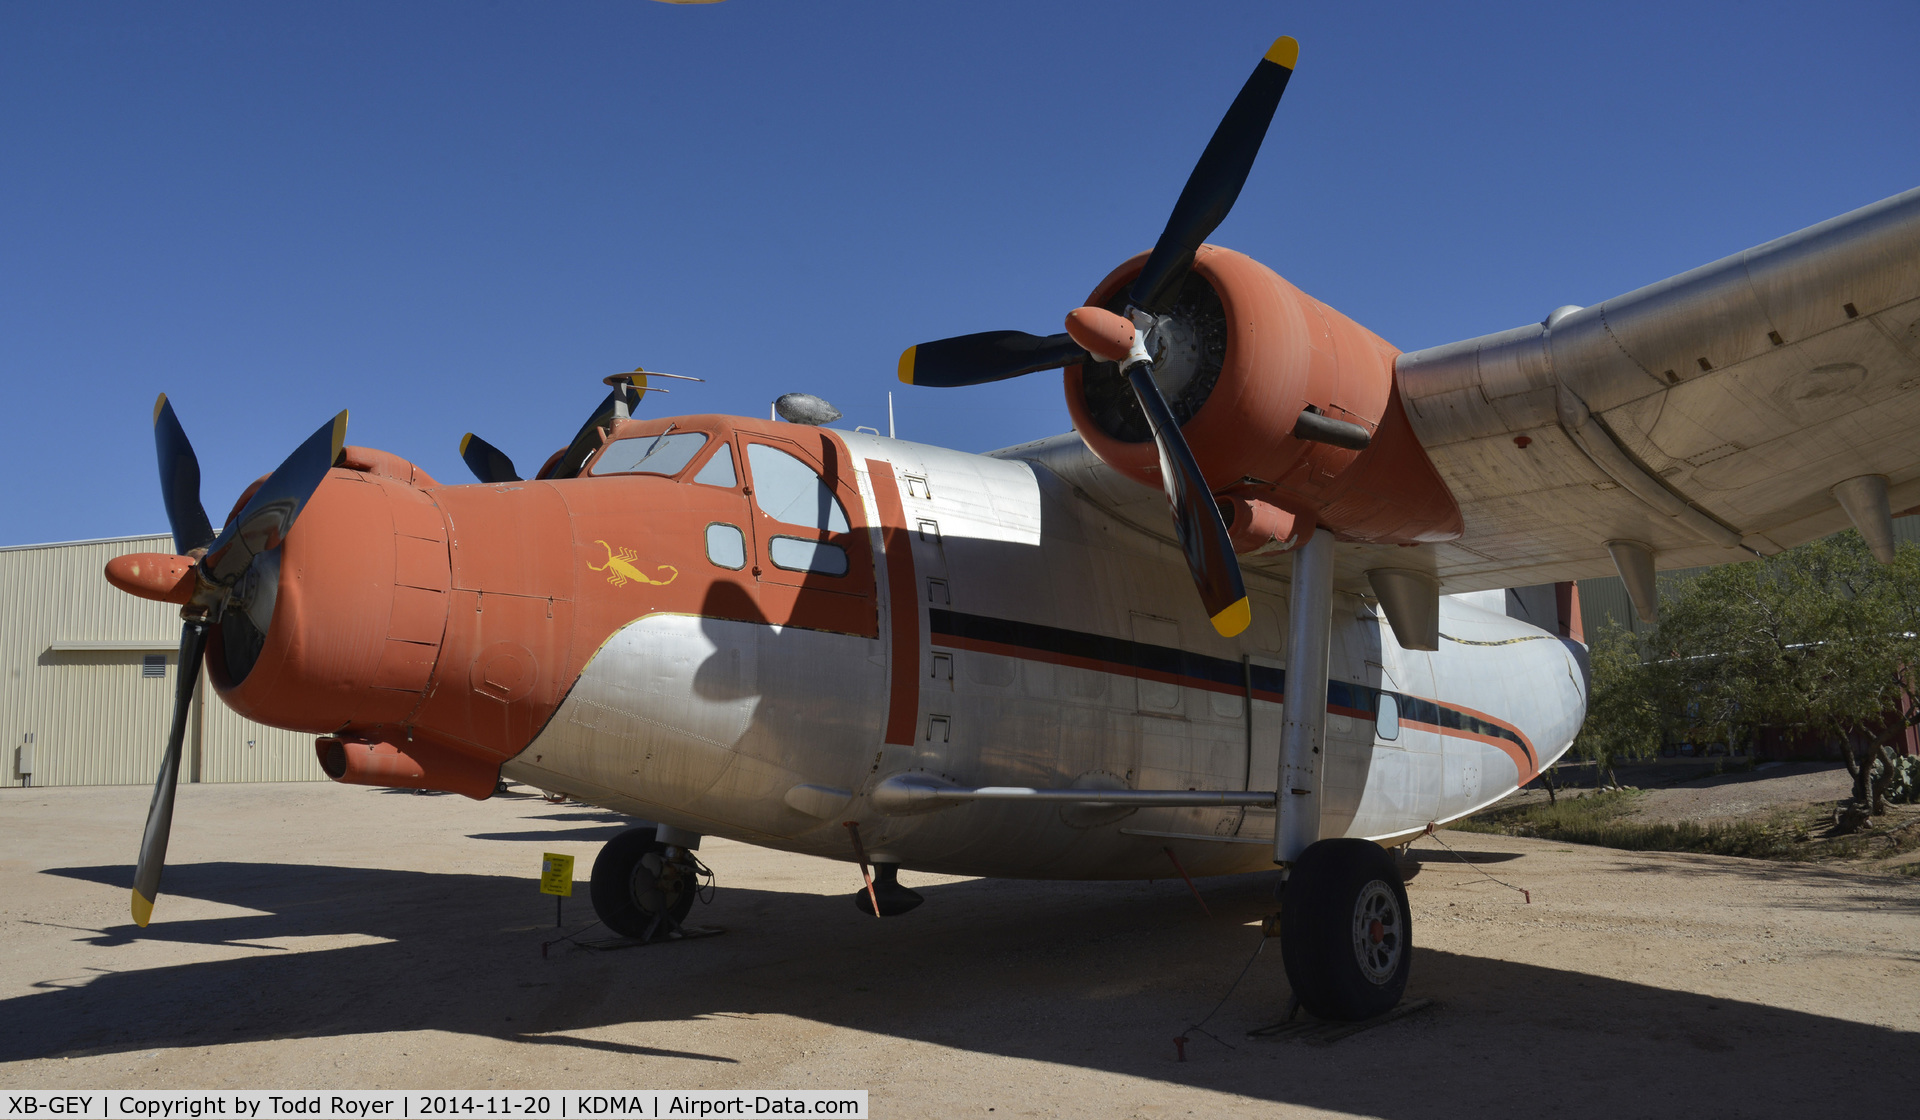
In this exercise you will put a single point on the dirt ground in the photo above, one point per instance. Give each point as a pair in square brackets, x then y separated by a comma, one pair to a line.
[1670, 795]
[329, 936]
[1750, 793]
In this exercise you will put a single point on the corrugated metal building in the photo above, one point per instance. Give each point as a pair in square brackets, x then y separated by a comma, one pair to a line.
[87, 676]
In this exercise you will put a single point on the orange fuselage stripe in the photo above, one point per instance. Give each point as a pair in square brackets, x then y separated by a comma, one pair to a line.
[903, 692]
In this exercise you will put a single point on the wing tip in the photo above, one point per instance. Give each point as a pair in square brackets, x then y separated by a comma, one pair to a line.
[1284, 52]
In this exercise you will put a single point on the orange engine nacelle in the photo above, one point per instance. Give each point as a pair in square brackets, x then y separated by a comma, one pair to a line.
[1244, 354]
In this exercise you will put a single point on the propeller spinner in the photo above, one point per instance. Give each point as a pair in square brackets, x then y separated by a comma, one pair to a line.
[1210, 192]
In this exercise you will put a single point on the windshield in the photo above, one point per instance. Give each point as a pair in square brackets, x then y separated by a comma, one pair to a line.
[668, 453]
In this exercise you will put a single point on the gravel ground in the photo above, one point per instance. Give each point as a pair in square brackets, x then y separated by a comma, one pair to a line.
[330, 936]
[1754, 793]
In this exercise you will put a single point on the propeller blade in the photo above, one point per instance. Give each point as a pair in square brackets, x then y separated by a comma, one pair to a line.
[179, 480]
[1196, 519]
[153, 845]
[587, 439]
[487, 462]
[267, 516]
[975, 359]
[1217, 178]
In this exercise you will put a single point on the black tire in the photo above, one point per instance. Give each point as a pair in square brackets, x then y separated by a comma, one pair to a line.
[635, 886]
[1346, 934]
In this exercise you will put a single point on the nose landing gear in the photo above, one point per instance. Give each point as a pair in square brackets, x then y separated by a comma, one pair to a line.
[642, 887]
[1345, 931]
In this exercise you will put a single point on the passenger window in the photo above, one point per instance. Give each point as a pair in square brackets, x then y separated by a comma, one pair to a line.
[726, 546]
[1386, 723]
[789, 491]
[797, 555]
[667, 453]
[719, 469]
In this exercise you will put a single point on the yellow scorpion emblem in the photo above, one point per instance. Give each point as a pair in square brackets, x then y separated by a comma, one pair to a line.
[620, 568]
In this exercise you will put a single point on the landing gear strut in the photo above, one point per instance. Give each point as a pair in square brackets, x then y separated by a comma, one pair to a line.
[1345, 931]
[643, 888]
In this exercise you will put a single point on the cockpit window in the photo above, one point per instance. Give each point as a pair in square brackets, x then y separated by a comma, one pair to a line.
[719, 469]
[668, 453]
[789, 491]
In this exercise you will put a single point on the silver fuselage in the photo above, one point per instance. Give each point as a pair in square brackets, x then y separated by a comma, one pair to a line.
[1057, 646]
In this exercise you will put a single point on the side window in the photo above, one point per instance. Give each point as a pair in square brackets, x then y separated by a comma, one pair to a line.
[667, 453]
[788, 491]
[719, 469]
[797, 555]
[1387, 721]
[726, 546]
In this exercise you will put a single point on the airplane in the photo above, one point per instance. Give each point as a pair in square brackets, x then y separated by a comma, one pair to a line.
[1017, 664]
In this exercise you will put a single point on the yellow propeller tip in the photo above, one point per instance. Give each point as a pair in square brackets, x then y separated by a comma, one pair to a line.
[1236, 618]
[159, 403]
[906, 365]
[464, 441]
[142, 910]
[1284, 52]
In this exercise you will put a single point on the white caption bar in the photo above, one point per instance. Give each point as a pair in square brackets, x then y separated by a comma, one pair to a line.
[452, 1104]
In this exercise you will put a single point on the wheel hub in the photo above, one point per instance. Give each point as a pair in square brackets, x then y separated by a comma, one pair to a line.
[657, 883]
[1378, 932]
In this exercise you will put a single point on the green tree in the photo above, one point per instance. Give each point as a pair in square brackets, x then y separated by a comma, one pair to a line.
[1817, 640]
[1623, 713]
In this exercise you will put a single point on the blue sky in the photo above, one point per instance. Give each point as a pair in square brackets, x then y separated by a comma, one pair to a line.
[459, 216]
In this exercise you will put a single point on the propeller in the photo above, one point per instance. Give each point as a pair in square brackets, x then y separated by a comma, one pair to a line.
[179, 481]
[258, 528]
[586, 441]
[1196, 517]
[975, 359]
[1205, 201]
[487, 462]
[1216, 180]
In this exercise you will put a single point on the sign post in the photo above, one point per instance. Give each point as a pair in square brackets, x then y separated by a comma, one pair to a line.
[556, 879]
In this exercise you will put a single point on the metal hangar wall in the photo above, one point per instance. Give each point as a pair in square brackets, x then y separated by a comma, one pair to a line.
[87, 676]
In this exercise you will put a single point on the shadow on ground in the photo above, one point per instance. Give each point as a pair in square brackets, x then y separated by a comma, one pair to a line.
[1100, 976]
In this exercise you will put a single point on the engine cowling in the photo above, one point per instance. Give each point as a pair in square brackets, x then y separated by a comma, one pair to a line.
[1239, 355]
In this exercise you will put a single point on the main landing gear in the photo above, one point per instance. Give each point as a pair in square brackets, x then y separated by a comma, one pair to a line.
[644, 887]
[1345, 931]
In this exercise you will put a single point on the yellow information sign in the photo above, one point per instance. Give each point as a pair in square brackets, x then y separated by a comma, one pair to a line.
[556, 874]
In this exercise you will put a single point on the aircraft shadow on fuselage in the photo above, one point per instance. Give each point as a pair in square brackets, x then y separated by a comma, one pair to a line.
[1100, 976]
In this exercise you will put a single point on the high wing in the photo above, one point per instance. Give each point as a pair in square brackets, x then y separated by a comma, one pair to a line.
[1701, 420]
[1708, 416]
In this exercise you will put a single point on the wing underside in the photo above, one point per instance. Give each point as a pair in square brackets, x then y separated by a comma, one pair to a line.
[1708, 417]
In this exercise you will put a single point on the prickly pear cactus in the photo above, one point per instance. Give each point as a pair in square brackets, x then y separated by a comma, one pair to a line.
[1905, 786]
